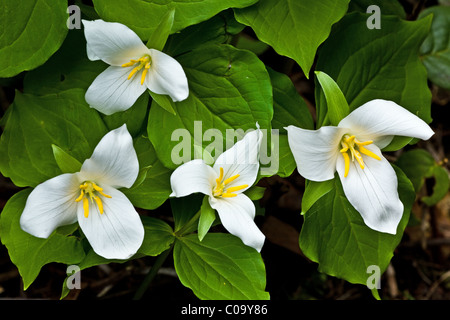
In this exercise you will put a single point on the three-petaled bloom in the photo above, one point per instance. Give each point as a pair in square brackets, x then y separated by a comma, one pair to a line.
[370, 182]
[133, 68]
[233, 172]
[90, 196]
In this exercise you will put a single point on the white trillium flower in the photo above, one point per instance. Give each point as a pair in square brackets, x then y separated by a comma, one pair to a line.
[370, 182]
[133, 68]
[91, 197]
[233, 172]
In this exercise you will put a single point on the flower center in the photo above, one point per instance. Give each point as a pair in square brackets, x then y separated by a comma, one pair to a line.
[220, 190]
[349, 144]
[143, 62]
[89, 188]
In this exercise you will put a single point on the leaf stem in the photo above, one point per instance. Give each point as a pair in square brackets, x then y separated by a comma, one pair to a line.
[152, 273]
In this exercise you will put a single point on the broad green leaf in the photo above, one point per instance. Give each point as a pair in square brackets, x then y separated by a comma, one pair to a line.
[66, 162]
[337, 106]
[381, 63]
[217, 30]
[68, 68]
[220, 267]
[419, 165]
[29, 253]
[387, 7]
[144, 16]
[416, 164]
[435, 50]
[35, 123]
[229, 89]
[30, 33]
[155, 189]
[335, 236]
[294, 28]
[440, 188]
[289, 108]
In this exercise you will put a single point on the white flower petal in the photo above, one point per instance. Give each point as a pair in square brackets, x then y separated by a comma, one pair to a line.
[315, 151]
[237, 216]
[372, 191]
[50, 205]
[377, 119]
[166, 76]
[191, 177]
[118, 232]
[112, 42]
[242, 159]
[112, 92]
[114, 161]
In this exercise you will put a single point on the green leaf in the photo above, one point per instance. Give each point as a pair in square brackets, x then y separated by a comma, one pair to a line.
[387, 7]
[154, 189]
[337, 106]
[158, 237]
[29, 253]
[207, 217]
[68, 68]
[435, 50]
[66, 162]
[35, 123]
[294, 28]
[419, 165]
[255, 192]
[314, 191]
[334, 235]
[229, 89]
[416, 164]
[220, 268]
[372, 64]
[184, 210]
[289, 108]
[144, 16]
[163, 101]
[217, 30]
[30, 33]
[440, 188]
[158, 38]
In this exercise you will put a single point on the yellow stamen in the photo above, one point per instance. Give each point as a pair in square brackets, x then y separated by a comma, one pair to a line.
[228, 195]
[219, 179]
[347, 162]
[230, 179]
[142, 62]
[99, 204]
[350, 143]
[218, 190]
[368, 153]
[237, 188]
[89, 189]
[80, 197]
[86, 207]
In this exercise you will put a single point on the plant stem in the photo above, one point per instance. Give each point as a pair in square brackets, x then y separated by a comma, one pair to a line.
[152, 273]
